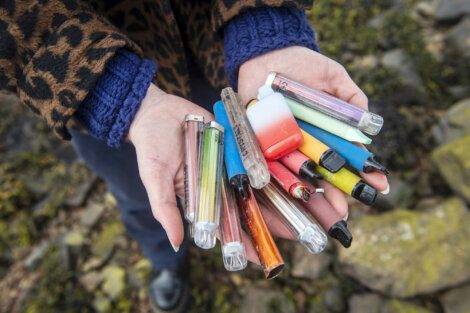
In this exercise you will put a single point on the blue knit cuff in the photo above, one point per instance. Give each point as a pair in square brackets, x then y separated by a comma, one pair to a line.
[108, 110]
[261, 30]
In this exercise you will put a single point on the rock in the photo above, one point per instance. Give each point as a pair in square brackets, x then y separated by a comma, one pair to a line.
[399, 61]
[91, 280]
[459, 91]
[81, 192]
[306, 265]
[91, 215]
[103, 245]
[400, 195]
[139, 274]
[454, 124]
[404, 253]
[457, 300]
[459, 37]
[426, 8]
[453, 163]
[74, 238]
[36, 255]
[366, 62]
[334, 299]
[265, 300]
[101, 303]
[372, 303]
[114, 281]
[71, 248]
[450, 10]
[378, 21]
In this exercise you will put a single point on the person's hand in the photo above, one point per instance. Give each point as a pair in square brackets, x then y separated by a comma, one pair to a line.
[157, 135]
[315, 70]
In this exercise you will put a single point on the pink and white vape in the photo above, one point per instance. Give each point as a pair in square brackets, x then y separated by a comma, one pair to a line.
[273, 124]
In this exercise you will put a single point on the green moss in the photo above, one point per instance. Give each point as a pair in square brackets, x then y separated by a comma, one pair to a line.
[341, 25]
[56, 289]
[415, 250]
[343, 30]
[397, 306]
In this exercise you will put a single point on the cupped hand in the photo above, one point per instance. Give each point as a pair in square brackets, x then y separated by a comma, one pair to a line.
[157, 135]
[318, 71]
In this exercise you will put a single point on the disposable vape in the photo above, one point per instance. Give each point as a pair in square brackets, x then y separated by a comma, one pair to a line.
[366, 121]
[268, 253]
[302, 227]
[331, 222]
[301, 165]
[233, 250]
[289, 182]
[210, 180]
[327, 123]
[273, 124]
[359, 158]
[192, 128]
[321, 154]
[250, 152]
[350, 184]
[236, 172]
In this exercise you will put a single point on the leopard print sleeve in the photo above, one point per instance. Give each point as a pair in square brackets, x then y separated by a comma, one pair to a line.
[224, 10]
[52, 53]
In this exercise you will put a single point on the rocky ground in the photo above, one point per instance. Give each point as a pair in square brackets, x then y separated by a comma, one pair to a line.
[63, 248]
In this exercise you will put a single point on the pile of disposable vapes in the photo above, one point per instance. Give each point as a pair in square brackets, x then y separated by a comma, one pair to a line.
[274, 150]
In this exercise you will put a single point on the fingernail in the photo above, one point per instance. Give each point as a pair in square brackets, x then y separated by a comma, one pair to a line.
[386, 190]
[176, 248]
[345, 218]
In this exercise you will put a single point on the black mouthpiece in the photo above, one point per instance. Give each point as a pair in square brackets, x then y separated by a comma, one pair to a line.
[340, 232]
[240, 183]
[372, 164]
[308, 172]
[364, 193]
[332, 161]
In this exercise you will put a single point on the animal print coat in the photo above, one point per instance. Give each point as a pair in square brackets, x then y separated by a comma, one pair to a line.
[53, 51]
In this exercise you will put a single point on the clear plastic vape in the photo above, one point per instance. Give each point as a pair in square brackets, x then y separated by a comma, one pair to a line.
[207, 216]
[366, 121]
[250, 152]
[192, 127]
[308, 233]
[233, 250]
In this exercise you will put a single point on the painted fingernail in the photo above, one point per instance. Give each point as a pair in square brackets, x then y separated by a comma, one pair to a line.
[176, 248]
[386, 190]
[345, 218]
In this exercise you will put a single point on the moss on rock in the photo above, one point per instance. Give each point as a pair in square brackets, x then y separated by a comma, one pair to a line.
[404, 253]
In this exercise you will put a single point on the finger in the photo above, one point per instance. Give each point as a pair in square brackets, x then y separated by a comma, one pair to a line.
[160, 190]
[340, 84]
[319, 201]
[377, 180]
[275, 225]
[250, 250]
[335, 197]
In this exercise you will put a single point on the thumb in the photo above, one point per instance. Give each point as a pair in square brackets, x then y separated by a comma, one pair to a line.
[161, 193]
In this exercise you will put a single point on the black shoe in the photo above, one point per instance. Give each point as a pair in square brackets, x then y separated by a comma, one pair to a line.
[168, 292]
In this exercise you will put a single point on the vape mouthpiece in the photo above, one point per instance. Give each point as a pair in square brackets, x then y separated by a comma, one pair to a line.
[340, 232]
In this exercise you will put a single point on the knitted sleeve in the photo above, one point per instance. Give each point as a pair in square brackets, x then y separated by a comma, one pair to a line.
[51, 54]
[108, 110]
[260, 30]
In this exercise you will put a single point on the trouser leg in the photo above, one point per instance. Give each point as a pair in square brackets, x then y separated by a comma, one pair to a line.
[118, 168]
